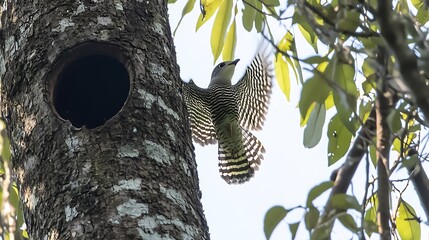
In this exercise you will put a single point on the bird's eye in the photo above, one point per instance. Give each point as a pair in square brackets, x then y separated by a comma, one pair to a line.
[221, 64]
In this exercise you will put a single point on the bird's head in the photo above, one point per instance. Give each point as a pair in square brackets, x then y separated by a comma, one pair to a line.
[223, 72]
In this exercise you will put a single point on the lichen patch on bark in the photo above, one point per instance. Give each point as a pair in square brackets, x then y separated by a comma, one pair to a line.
[132, 208]
[63, 24]
[170, 132]
[73, 143]
[118, 5]
[149, 224]
[150, 99]
[80, 9]
[70, 212]
[174, 196]
[105, 21]
[133, 184]
[128, 151]
[31, 163]
[157, 152]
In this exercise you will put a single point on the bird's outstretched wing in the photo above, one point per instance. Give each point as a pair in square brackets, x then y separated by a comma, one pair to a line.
[203, 131]
[254, 93]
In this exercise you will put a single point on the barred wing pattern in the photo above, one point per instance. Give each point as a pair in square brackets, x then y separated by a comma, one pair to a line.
[254, 93]
[203, 131]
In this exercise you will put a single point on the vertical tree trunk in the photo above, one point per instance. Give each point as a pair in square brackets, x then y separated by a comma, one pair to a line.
[101, 147]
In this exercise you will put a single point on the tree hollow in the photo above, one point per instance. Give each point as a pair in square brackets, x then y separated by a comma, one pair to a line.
[89, 84]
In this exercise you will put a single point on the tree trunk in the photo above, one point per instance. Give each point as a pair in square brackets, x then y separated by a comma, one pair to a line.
[100, 141]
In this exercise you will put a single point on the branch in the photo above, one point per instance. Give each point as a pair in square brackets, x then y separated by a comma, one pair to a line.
[343, 176]
[382, 106]
[421, 183]
[393, 31]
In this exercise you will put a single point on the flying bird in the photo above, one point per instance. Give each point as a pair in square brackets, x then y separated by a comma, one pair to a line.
[225, 113]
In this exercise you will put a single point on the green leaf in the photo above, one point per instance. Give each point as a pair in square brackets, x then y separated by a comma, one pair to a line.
[402, 7]
[296, 64]
[25, 234]
[272, 218]
[286, 43]
[314, 89]
[329, 102]
[373, 201]
[187, 9]
[295, 67]
[311, 217]
[20, 222]
[397, 145]
[339, 140]
[373, 154]
[249, 14]
[209, 7]
[293, 227]
[274, 3]
[342, 201]
[348, 222]
[422, 15]
[364, 110]
[321, 232]
[406, 223]
[370, 221]
[220, 26]
[349, 22]
[316, 191]
[13, 196]
[259, 17]
[5, 150]
[314, 128]
[316, 59]
[344, 76]
[304, 119]
[345, 97]
[422, 12]
[230, 41]
[272, 11]
[305, 29]
[345, 111]
[368, 66]
[414, 128]
[282, 74]
[394, 121]
[371, 42]
[369, 84]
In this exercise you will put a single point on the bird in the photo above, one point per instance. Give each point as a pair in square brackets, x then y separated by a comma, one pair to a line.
[225, 113]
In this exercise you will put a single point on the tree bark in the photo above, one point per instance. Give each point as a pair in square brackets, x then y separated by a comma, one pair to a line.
[131, 175]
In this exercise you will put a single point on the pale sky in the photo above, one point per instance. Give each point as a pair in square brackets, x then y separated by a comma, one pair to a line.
[288, 171]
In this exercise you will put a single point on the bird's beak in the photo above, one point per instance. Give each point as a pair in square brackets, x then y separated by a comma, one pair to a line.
[234, 62]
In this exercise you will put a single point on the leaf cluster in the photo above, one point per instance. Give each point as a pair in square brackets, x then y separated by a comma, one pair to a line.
[350, 62]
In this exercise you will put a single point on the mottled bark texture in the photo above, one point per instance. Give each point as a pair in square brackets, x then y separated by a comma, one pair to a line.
[131, 177]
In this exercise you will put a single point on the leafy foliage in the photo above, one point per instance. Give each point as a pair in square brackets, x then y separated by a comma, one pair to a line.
[407, 223]
[11, 211]
[273, 218]
[350, 66]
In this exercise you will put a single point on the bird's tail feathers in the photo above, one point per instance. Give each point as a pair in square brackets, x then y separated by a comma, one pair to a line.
[240, 166]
